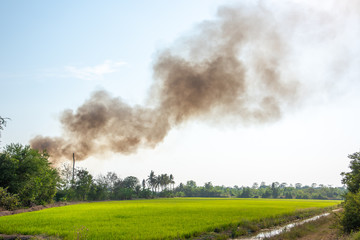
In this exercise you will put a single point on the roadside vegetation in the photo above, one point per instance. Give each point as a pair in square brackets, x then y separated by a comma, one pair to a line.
[350, 219]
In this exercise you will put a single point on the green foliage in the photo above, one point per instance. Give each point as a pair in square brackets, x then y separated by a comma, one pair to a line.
[27, 172]
[275, 190]
[3, 122]
[110, 187]
[352, 179]
[158, 218]
[83, 184]
[8, 201]
[350, 219]
[355, 236]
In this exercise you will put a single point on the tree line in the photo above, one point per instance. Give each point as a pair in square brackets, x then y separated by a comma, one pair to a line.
[27, 179]
[273, 190]
[18, 161]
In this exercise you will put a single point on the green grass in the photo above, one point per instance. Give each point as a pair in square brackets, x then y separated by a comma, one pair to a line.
[354, 236]
[151, 219]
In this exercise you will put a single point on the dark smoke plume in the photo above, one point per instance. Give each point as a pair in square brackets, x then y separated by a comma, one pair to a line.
[230, 68]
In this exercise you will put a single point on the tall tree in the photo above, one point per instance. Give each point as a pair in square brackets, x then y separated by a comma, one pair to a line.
[28, 173]
[143, 184]
[83, 183]
[130, 182]
[152, 180]
[3, 122]
[352, 179]
[172, 182]
[350, 219]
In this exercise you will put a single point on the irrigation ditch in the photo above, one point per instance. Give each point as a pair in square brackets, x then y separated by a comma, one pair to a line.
[268, 233]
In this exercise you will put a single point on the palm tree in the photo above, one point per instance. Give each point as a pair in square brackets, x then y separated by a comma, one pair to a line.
[152, 180]
[172, 181]
[166, 180]
[157, 182]
[3, 122]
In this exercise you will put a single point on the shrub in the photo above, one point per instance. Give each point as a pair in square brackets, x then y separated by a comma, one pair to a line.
[350, 219]
[7, 200]
[28, 173]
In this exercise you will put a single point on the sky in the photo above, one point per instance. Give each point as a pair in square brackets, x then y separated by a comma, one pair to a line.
[54, 55]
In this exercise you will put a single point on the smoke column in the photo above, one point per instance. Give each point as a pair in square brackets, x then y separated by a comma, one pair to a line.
[235, 68]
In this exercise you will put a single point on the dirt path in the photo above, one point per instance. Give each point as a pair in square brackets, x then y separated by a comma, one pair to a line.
[36, 208]
[324, 231]
[22, 237]
[321, 229]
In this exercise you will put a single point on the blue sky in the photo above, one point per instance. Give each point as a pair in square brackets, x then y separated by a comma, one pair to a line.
[55, 54]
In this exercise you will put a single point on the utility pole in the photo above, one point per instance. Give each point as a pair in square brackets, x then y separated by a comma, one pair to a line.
[73, 168]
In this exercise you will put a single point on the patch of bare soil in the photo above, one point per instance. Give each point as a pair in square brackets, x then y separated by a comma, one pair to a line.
[24, 237]
[36, 208]
[323, 232]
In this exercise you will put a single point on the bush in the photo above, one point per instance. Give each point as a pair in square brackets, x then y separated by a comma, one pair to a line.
[27, 172]
[350, 219]
[7, 200]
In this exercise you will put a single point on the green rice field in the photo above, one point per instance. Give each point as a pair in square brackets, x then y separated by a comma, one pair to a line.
[150, 219]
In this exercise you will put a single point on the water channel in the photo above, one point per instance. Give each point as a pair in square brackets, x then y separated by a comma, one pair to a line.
[267, 233]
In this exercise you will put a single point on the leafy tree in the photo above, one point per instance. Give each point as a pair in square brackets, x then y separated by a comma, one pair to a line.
[83, 183]
[267, 193]
[191, 184]
[246, 193]
[275, 189]
[127, 188]
[172, 182]
[108, 181]
[208, 186]
[352, 179]
[3, 122]
[350, 219]
[263, 185]
[27, 173]
[143, 184]
[99, 190]
[130, 182]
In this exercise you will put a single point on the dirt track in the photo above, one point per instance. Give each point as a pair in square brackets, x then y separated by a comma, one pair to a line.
[36, 208]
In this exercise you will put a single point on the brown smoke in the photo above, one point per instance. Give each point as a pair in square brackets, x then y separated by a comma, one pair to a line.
[232, 67]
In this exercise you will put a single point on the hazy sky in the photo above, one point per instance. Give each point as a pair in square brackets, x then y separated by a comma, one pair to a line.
[55, 54]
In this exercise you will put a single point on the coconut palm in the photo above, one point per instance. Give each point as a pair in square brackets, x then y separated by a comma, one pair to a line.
[152, 181]
[172, 182]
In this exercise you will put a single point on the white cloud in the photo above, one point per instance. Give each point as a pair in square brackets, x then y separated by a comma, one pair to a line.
[96, 72]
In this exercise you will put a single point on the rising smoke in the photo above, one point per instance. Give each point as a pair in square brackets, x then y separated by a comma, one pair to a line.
[235, 67]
